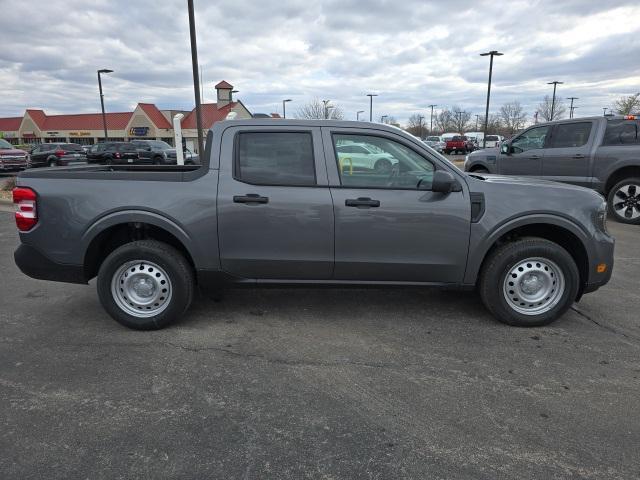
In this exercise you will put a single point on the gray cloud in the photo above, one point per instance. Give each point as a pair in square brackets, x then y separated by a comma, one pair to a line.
[412, 53]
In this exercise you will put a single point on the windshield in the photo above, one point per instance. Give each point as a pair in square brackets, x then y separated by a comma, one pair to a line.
[433, 139]
[5, 145]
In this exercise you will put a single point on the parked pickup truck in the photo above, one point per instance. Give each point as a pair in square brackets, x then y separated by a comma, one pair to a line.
[458, 144]
[602, 153]
[274, 203]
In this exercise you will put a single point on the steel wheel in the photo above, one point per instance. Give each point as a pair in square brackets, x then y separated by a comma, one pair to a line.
[533, 286]
[626, 202]
[141, 288]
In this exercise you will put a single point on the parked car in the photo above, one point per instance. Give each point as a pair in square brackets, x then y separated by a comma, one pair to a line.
[114, 153]
[190, 158]
[12, 158]
[436, 143]
[459, 144]
[271, 205]
[602, 153]
[57, 155]
[154, 152]
[493, 141]
[363, 156]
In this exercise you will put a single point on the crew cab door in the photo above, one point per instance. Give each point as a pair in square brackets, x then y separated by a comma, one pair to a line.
[275, 216]
[568, 154]
[526, 154]
[389, 225]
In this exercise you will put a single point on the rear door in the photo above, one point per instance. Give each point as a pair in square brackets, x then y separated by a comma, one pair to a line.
[389, 225]
[275, 215]
[527, 153]
[569, 152]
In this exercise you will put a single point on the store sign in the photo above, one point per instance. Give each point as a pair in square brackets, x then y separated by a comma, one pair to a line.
[138, 131]
[52, 134]
[79, 134]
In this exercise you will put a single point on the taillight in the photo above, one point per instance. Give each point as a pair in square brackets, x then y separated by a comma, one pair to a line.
[117, 154]
[59, 153]
[26, 213]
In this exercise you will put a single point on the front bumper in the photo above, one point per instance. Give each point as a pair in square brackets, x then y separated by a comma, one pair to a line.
[35, 264]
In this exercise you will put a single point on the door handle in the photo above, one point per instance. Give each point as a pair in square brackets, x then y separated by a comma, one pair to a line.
[578, 155]
[250, 198]
[361, 202]
[535, 157]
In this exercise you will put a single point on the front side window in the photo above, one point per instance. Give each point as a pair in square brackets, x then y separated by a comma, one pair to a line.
[530, 140]
[568, 135]
[161, 145]
[275, 158]
[386, 164]
[622, 132]
[4, 144]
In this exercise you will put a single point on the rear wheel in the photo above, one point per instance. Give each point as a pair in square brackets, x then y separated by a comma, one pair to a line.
[145, 285]
[529, 282]
[624, 201]
[52, 163]
[383, 166]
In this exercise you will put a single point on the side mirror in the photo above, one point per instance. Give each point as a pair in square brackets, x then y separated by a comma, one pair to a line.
[505, 148]
[443, 181]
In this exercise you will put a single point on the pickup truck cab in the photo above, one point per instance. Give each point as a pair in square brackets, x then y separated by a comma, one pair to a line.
[12, 158]
[458, 144]
[602, 153]
[276, 203]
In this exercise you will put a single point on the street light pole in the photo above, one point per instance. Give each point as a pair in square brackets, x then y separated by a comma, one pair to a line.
[431, 127]
[284, 107]
[491, 54]
[421, 118]
[553, 101]
[371, 95]
[604, 111]
[326, 110]
[383, 117]
[196, 76]
[571, 106]
[358, 114]
[104, 117]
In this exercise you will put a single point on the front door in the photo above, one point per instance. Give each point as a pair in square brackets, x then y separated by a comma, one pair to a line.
[389, 225]
[275, 216]
[526, 153]
[567, 158]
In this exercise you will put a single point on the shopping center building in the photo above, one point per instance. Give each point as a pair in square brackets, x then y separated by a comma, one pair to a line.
[146, 121]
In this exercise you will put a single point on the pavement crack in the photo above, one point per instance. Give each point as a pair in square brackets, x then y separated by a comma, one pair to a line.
[603, 326]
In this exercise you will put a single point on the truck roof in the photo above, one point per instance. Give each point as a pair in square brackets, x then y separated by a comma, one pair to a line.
[279, 122]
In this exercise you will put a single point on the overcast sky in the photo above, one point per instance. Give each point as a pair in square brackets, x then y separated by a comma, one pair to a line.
[410, 52]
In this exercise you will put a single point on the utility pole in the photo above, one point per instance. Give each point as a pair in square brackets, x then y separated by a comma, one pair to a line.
[104, 117]
[431, 128]
[421, 118]
[371, 95]
[492, 53]
[571, 106]
[555, 83]
[284, 107]
[196, 76]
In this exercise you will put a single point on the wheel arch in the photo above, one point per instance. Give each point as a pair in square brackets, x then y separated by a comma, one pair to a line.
[556, 229]
[116, 229]
[620, 174]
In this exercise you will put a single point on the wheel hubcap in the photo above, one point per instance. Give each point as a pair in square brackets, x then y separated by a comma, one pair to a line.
[626, 202]
[533, 286]
[141, 289]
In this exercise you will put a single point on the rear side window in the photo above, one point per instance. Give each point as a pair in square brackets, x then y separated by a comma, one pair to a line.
[568, 135]
[622, 132]
[72, 147]
[275, 158]
[127, 147]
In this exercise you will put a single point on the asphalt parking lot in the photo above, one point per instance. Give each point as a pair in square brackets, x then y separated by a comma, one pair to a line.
[319, 383]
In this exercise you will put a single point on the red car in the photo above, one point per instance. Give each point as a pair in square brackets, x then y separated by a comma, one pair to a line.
[12, 158]
[459, 143]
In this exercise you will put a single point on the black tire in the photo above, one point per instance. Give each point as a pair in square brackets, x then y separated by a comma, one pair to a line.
[493, 285]
[627, 207]
[157, 160]
[382, 166]
[51, 163]
[173, 265]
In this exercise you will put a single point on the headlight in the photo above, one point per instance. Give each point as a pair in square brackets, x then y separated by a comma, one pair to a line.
[600, 219]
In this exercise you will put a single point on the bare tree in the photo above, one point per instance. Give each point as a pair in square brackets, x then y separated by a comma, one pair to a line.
[444, 121]
[544, 109]
[494, 125]
[628, 105]
[512, 116]
[461, 119]
[317, 110]
[416, 125]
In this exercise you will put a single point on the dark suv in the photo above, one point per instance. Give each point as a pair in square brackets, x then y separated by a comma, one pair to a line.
[155, 152]
[57, 155]
[113, 153]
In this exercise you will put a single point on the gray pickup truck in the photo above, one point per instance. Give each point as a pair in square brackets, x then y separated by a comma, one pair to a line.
[602, 153]
[281, 203]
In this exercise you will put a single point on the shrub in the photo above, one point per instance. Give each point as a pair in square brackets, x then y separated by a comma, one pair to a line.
[9, 184]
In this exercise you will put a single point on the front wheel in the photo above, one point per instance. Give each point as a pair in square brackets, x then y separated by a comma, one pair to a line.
[624, 201]
[145, 285]
[529, 282]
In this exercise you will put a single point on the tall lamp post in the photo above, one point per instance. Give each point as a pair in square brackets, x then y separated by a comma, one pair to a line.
[571, 107]
[326, 109]
[358, 114]
[284, 107]
[421, 118]
[431, 127]
[491, 54]
[196, 75]
[371, 95]
[104, 117]
[383, 117]
[555, 83]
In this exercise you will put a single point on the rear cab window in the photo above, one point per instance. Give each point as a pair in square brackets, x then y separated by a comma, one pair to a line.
[568, 135]
[274, 158]
[622, 132]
